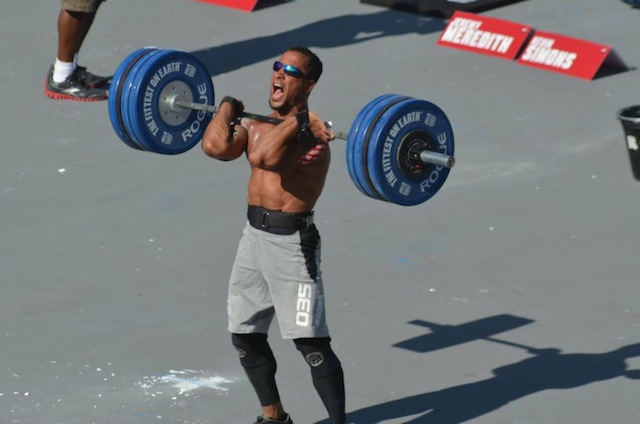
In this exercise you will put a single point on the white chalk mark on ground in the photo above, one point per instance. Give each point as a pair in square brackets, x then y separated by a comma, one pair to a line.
[185, 382]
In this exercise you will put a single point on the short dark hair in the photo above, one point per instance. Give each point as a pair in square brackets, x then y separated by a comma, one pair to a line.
[314, 64]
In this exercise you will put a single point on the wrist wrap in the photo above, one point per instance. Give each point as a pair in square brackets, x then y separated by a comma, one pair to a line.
[235, 104]
[303, 121]
[304, 125]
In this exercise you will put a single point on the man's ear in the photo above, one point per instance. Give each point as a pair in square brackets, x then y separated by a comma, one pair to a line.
[310, 85]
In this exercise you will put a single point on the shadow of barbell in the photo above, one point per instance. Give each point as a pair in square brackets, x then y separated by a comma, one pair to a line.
[445, 336]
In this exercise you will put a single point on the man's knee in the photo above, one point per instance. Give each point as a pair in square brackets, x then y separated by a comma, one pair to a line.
[319, 355]
[253, 350]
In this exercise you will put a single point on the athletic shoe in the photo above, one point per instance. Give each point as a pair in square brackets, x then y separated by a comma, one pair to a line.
[90, 79]
[264, 420]
[72, 89]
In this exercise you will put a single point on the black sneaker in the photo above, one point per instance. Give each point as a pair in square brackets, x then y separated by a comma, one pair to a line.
[264, 420]
[90, 79]
[72, 89]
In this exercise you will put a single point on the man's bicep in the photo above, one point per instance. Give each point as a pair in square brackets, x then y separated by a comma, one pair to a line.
[224, 142]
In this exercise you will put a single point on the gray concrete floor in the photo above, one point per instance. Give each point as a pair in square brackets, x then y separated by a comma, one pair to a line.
[511, 297]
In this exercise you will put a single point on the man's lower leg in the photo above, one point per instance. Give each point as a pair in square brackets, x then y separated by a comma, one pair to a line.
[326, 374]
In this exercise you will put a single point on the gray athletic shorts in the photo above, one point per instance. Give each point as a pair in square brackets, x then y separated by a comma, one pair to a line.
[277, 275]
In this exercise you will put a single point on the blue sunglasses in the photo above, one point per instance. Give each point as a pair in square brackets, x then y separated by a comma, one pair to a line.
[288, 69]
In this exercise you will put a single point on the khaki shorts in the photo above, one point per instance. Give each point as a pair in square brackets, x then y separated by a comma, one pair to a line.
[89, 6]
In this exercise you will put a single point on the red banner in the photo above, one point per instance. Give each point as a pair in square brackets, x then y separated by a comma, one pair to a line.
[484, 35]
[566, 55]
[246, 5]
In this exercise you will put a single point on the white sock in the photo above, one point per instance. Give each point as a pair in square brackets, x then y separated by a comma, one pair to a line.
[62, 70]
[75, 59]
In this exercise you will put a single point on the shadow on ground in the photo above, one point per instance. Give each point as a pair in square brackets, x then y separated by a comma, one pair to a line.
[333, 32]
[547, 369]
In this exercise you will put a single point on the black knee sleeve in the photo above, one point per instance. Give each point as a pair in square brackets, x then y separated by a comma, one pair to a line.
[260, 365]
[319, 355]
[327, 375]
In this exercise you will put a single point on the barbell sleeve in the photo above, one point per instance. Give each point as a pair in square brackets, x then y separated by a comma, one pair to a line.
[426, 156]
[438, 159]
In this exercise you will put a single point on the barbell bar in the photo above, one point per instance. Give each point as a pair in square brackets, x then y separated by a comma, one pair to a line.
[177, 102]
[398, 149]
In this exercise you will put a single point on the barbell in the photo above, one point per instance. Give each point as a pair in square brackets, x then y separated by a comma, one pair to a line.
[399, 149]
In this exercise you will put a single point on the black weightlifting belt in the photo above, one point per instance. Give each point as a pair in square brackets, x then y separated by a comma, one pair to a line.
[277, 221]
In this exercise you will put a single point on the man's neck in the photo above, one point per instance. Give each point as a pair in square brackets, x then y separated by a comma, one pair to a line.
[283, 113]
